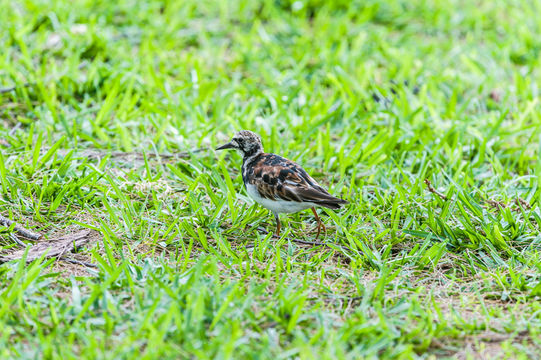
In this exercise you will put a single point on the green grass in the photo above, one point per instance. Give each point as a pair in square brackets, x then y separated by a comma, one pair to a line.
[371, 97]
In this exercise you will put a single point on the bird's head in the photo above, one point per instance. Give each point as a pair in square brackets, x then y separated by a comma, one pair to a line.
[247, 142]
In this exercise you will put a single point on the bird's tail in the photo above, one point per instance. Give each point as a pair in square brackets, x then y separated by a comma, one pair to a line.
[334, 204]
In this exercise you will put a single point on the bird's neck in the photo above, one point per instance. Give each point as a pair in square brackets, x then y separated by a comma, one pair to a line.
[248, 159]
[251, 154]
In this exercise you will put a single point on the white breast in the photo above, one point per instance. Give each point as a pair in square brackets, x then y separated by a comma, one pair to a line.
[278, 205]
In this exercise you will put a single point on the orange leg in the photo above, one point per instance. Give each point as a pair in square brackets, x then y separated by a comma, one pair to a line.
[319, 223]
[278, 225]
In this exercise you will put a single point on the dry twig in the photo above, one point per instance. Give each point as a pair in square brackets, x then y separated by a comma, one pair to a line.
[518, 204]
[434, 191]
[496, 203]
[77, 262]
[54, 247]
[521, 202]
[94, 154]
[4, 221]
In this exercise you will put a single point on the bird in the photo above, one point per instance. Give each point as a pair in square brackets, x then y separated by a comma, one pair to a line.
[278, 184]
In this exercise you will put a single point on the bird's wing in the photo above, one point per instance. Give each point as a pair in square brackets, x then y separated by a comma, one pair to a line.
[278, 178]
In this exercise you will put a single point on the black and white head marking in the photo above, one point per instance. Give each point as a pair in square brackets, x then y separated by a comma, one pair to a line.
[247, 142]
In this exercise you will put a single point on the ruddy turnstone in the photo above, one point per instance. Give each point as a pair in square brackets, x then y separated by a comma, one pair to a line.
[279, 184]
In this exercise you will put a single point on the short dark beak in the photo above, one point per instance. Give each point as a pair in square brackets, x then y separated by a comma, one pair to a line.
[226, 146]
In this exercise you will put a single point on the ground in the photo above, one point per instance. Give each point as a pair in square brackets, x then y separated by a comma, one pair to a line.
[424, 115]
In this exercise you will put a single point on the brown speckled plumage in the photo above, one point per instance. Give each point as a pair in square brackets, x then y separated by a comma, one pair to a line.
[277, 183]
[276, 177]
